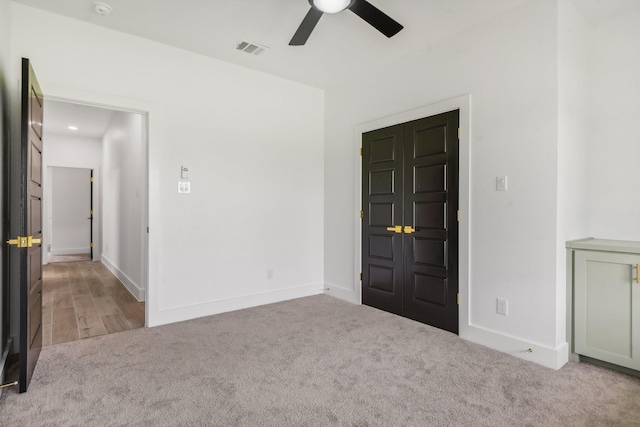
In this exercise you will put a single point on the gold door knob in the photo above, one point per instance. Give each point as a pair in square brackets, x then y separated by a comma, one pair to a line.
[409, 229]
[396, 229]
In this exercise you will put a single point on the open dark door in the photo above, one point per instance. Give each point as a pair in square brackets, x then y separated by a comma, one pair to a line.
[28, 242]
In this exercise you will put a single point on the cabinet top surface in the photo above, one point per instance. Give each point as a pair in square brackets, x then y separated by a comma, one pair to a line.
[592, 244]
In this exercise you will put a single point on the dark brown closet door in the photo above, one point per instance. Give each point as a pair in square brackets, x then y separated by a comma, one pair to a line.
[430, 211]
[410, 225]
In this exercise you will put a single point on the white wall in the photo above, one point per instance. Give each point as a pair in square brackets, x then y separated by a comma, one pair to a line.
[614, 172]
[124, 195]
[5, 37]
[509, 66]
[253, 143]
[5, 34]
[574, 88]
[70, 208]
[71, 152]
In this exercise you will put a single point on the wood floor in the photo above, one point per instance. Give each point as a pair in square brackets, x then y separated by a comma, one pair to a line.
[67, 258]
[84, 299]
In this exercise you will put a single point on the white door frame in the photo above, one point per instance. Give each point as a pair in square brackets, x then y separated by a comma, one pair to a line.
[462, 103]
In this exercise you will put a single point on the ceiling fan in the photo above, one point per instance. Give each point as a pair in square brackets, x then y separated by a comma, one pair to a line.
[365, 10]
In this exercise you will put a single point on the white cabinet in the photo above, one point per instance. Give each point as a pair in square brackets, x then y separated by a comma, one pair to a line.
[605, 282]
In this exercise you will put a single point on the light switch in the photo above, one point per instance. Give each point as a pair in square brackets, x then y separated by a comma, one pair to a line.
[501, 183]
[184, 187]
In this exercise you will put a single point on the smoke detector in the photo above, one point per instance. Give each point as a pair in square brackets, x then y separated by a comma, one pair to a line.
[102, 8]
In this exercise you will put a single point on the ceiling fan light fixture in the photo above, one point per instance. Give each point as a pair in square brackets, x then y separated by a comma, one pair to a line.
[331, 6]
[365, 10]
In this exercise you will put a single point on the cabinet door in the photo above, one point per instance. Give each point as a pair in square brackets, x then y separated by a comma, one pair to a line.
[607, 307]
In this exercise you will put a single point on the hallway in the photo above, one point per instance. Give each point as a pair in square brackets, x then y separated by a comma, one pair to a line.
[84, 299]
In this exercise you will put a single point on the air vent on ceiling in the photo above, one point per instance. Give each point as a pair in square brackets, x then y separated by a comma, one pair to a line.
[251, 48]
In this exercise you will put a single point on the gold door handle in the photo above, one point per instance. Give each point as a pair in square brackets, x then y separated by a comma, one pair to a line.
[409, 229]
[396, 229]
[24, 242]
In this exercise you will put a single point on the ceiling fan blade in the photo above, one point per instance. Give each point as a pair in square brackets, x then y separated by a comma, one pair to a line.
[304, 30]
[374, 16]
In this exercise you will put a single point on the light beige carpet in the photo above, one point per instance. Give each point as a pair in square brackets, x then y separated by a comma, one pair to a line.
[314, 361]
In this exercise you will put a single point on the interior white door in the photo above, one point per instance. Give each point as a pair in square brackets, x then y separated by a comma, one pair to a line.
[70, 211]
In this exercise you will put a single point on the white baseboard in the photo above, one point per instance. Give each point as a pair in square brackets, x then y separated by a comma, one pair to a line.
[70, 251]
[550, 357]
[135, 290]
[339, 292]
[179, 314]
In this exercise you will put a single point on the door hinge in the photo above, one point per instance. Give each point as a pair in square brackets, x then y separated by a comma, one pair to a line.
[458, 133]
[91, 179]
[361, 277]
[458, 215]
[361, 151]
[24, 242]
[91, 244]
[458, 297]
[91, 211]
[361, 214]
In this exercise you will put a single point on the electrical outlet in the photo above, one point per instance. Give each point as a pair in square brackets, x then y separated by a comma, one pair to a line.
[502, 306]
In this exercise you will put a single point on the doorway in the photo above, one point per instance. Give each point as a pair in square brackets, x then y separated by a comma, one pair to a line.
[96, 166]
[70, 214]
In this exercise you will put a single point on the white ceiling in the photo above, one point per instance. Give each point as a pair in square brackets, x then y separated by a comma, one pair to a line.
[341, 47]
[92, 122]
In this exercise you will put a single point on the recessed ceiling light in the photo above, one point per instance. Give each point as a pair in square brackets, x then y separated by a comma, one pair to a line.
[102, 8]
[72, 128]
